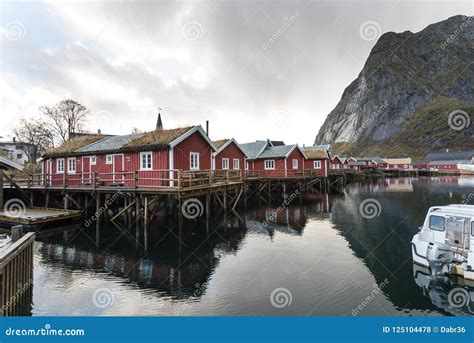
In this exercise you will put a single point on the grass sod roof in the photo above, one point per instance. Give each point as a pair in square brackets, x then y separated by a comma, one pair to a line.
[74, 144]
[312, 154]
[158, 137]
[218, 144]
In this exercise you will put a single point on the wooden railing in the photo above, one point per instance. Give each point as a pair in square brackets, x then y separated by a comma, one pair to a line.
[181, 180]
[16, 275]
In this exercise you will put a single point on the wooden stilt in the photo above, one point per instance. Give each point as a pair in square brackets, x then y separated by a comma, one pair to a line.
[98, 219]
[145, 223]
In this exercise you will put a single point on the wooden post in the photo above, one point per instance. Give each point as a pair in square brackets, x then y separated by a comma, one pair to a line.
[145, 224]
[64, 179]
[16, 232]
[94, 181]
[135, 179]
[46, 200]
[1, 188]
[179, 180]
[225, 199]
[208, 211]
[227, 175]
[97, 219]
[66, 201]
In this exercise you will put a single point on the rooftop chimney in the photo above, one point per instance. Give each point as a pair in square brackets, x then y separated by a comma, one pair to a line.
[207, 128]
[14, 139]
[99, 131]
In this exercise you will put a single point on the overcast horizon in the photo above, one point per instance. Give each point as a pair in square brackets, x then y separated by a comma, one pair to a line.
[255, 70]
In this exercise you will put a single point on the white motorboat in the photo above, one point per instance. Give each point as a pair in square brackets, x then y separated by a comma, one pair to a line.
[445, 242]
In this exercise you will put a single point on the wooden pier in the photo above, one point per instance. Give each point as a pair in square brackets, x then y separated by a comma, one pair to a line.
[16, 275]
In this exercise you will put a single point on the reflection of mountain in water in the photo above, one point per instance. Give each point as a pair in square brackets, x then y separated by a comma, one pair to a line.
[383, 242]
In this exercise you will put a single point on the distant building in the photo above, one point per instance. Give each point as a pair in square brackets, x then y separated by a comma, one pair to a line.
[15, 150]
[399, 163]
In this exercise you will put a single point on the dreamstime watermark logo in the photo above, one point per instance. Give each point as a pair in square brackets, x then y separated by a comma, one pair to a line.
[103, 297]
[458, 297]
[14, 31]
[377, 290]
[452, 37]
[281, 297]
[102, 209]
[280, 119]
[378, 111]
[369, 30]
[199, 291]
[466, 198]
[287, 22]
[459, 120]
[193, 30]
[370, 208]
[15, 208]
[192, 208]
[272, 217]
[21, 289]
[102, 119]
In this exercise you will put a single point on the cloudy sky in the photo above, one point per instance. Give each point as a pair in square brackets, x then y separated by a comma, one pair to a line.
[254, 69]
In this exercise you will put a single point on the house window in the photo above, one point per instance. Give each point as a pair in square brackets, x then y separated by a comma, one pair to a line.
[19, 156]
[269, 164]
[194, 160]
[71, 165]
[295, 164]
[145, 158]
[225, 163]
[60, 165]
[317, 164]
[236, 163]
[93, 160]
[108, 159]
[19, 147]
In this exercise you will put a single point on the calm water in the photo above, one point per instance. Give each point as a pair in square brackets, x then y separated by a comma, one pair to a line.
[318, 257]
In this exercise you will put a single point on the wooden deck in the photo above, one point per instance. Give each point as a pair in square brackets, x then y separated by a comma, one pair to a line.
[151, 182]
[36, 216]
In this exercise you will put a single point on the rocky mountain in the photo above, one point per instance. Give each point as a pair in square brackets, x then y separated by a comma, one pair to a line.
[405, 72]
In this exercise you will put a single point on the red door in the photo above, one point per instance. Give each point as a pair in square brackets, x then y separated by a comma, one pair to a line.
[86, 170]
[118, 168]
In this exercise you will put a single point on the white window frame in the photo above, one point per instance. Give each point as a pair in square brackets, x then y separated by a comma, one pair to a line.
[69, 165]
[191, 155]
[59, 170]
[236, 164]
[269, 164]
[294, 164]
[225, 163]
[107, 157]
[148, 162]
[316, 164]
[93, 160]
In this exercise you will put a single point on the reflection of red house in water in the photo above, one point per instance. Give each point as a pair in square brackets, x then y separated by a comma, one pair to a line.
[112, 160]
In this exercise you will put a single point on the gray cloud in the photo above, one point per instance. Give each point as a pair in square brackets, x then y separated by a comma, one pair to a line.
[255, 69]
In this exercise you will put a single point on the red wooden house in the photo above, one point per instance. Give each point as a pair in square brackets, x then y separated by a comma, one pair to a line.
[317, 160]
[399, 163]
[338, 163]
[145, 160]
[279, 161]
[229, 155]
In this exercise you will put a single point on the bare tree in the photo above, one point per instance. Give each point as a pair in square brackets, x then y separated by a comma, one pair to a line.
[65, 118]
[36, 134]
